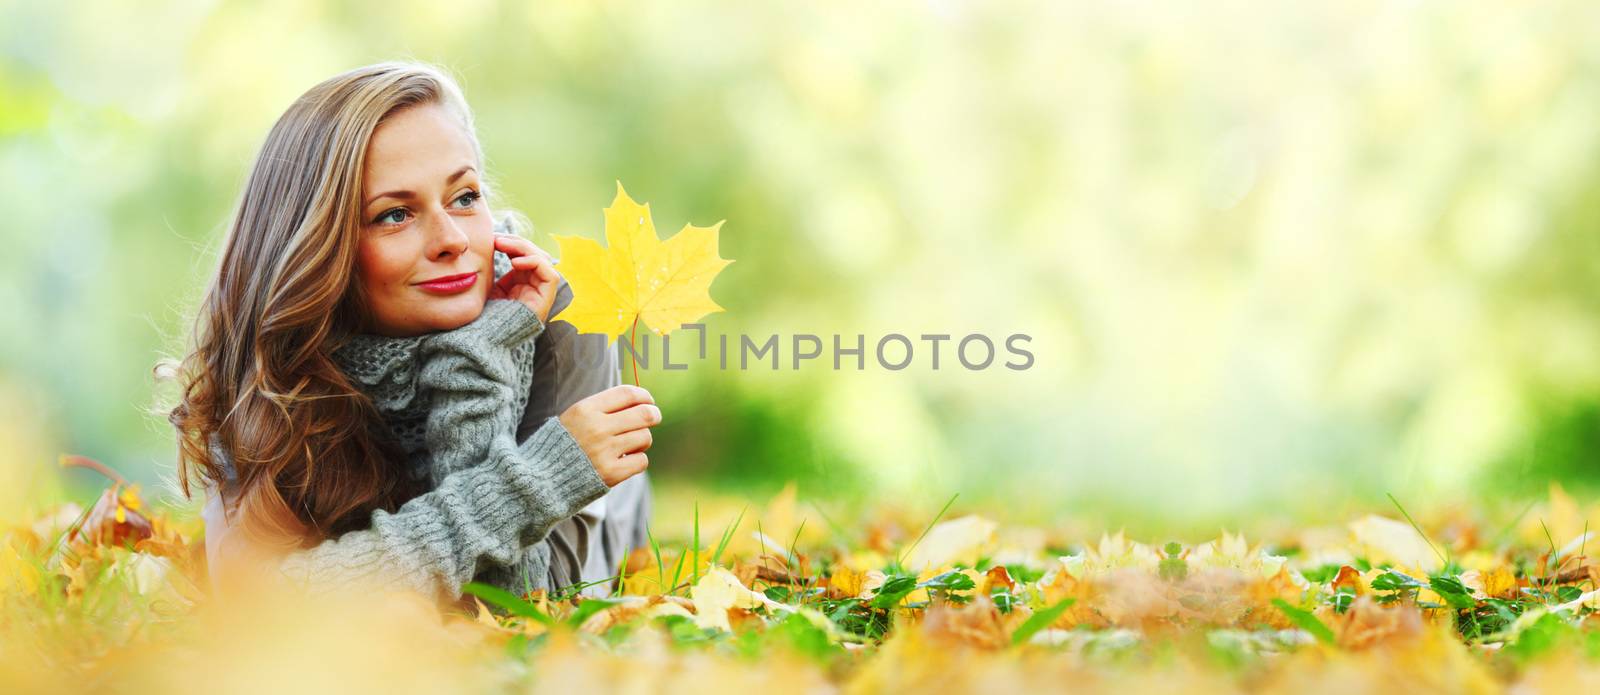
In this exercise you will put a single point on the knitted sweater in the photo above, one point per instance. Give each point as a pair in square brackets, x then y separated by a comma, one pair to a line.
[452, 402]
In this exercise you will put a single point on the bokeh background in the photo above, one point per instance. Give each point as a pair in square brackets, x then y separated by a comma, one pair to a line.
[1274, 257]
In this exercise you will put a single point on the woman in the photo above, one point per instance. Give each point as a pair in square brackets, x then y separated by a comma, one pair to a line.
[368, 181]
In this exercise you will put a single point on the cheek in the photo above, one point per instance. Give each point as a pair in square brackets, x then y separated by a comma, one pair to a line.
[480, 238]
[381, 267]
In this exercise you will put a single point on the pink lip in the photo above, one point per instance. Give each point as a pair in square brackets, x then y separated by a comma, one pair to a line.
[450, 284]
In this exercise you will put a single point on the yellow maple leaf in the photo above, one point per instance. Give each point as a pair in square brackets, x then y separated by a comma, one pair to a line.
[637, 276]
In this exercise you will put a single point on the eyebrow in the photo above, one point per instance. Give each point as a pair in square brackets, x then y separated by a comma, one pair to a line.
[408, 195]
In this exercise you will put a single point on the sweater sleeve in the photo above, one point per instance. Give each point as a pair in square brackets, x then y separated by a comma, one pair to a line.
[486, 513]
[476, 378]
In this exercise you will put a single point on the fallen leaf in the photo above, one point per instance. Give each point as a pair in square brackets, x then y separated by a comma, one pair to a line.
[976, 624]
[957, 541]
[112, 522]
[631, 608]
[718, 592]
[846, 582]
[1367, 624]
[1394, 541]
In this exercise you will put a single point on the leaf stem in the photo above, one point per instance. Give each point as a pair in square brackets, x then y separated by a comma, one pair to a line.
[633, 355]
[76, 461]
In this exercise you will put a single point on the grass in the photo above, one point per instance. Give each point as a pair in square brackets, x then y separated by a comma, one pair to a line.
[840, 609]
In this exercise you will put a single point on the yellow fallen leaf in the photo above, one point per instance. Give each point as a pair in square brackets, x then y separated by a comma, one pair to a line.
[717, 592]
[148, 572]
[1231, 551]
[950, 542]
[1500, 582]
[636, 608]
[846, 582]
[638, 277]
[1389, 540]
[484, 616]
[19, 574]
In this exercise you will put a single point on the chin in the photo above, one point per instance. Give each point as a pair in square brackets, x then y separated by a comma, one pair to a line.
[455, 312]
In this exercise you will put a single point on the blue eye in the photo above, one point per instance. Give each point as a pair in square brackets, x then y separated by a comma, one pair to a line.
[393, 216]
[470, 196]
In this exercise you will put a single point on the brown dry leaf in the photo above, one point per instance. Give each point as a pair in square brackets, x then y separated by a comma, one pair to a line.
[1208, 596]
[774, 569]
[1349, 578]
[747, 573]
[113, 522]
[976, 624]
[997, 576]
[1136, 599]
[1368, 623]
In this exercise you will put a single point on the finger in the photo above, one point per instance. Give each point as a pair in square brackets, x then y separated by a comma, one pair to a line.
[510, 280]
[516, 246]
[632, 465]
[633, 442]
[532, 257]
[551, 276]
[618, 397]
[634, 418]
[540, 265]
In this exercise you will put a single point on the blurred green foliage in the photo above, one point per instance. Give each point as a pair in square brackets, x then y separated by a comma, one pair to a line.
[1341, 247]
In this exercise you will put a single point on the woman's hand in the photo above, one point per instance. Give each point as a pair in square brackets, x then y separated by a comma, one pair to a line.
[613, 429]
[533, 279]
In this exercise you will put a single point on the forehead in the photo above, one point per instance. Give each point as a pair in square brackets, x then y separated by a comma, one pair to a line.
[416, 147]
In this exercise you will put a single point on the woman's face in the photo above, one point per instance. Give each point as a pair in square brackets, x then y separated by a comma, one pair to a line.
[426, 256]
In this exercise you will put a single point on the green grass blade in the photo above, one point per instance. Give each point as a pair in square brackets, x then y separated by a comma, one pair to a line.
[507, 601]
[622, 571]
[1442, 559]
[1305, 621]
[901, 558]
[661, 569]
[1041, 620]
[727, 535]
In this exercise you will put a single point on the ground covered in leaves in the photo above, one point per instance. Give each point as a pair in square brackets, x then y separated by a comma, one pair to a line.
[113, 598]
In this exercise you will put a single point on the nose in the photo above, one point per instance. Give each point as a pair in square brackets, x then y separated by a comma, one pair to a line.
[445, 240]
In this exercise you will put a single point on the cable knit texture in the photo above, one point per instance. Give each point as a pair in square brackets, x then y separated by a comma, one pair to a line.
[452, 401]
